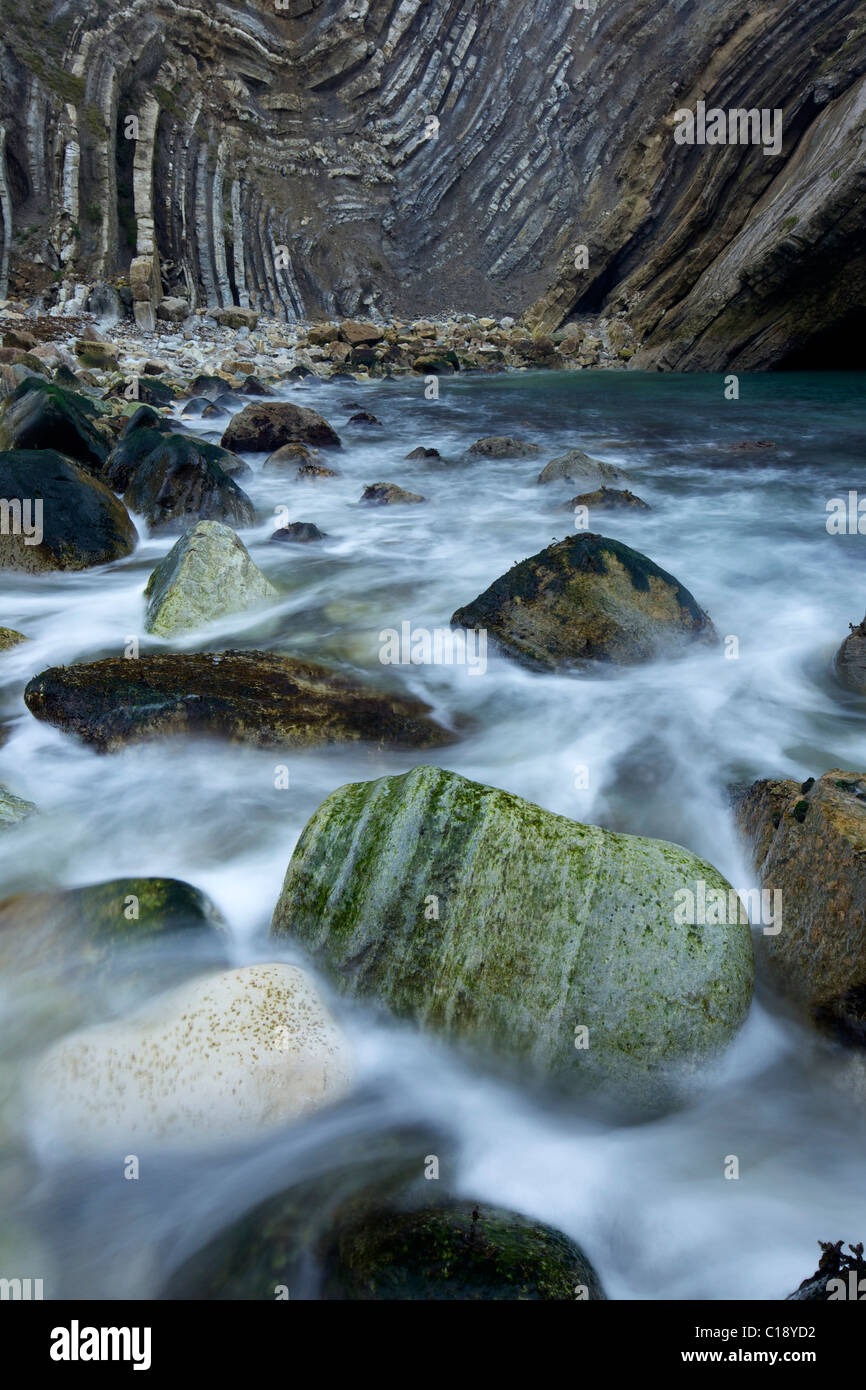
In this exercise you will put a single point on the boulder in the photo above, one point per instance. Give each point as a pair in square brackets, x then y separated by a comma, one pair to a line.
[497, 446]
[220, 1060]
[808, 845]
[174, 309]
[360, 334]
[838, 1278]
[260, 698]
[578, 467]
[210, 387]
[289, 456]
[311, 472]
[253, 387]
[363, 417]
[422, 453]
[263, 428]
[457, 1250]
[608, 499]
[850, 661]
[10, 638]
[235, 317]
[436, 363]
[81, 524]
[180, 479]
[509, 929]
[299, 531]
[387, 494]
[42, 415]
[13, 808]
[587, 598]
[102, 356]
[207, 574]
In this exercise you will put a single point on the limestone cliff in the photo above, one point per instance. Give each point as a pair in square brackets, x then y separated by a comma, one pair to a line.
[315, 157]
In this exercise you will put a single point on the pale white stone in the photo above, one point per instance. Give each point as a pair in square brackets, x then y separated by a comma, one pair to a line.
[219, 1060]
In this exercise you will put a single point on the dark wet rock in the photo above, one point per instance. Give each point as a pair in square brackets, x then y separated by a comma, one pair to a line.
[609, 499]
[422, 453]
[850, 660]
[44, 415]
[535, 923]
[298, 373]
[208, 386]
[576, 466]
[310, 472]
[436, 364]
[263, 428]
[214, 411]
[808, 843]
[196, 406]
[496, 446]
[299, 531]
[181, 480]
[460, 1250]
[388, 494]
[289, 456]
[259, 698]
[838, 1277]
[82, 523]
[363, 417]
[587, 598]
[154, 391]
[253, 387]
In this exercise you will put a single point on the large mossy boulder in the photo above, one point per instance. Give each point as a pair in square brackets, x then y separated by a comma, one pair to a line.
[74, 520]
[206, 575]
[179, 480]
[457, 1250]
[261, 698]
[268, 426]
[808, 846]
[43, 415]
[587, 598]
[508, 928]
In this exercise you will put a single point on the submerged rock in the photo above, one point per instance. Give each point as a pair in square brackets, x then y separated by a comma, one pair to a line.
[808, 844]
[587, 598]
[850, 662]
[207, 574]
[576, 466]
[497, 446]
[608, 499]
[217, 1061]
[260, 428]
[457, 1250]
[82, 522]
[509, 928]
[260, 698]
[299, 531]
[43, 415]
[13, 808]
[387, 494]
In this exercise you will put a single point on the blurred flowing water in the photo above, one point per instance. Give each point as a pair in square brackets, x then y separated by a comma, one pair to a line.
[648, 750]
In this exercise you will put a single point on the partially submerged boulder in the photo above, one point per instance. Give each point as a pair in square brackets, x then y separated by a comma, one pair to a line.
[531, 938]
[10, 638]
[388, 494]
[608, 499]
[499, 446]
[219, 1060]
[179, 480]
[261, 698]
[63, 518]
[13, 809]
[206, 575]
[587, 598]
[264, 427]
[42, 415]
[299, 531]
[808, 845]
[850, 662]
[577, 467]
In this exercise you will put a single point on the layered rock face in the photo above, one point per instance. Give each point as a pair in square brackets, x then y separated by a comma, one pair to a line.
[330, 156]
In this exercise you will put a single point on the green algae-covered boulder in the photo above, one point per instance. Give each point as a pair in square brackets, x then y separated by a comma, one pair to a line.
[556, 946]
[206, 575]
[458, 1250]
[43, 415]
[587, 598]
